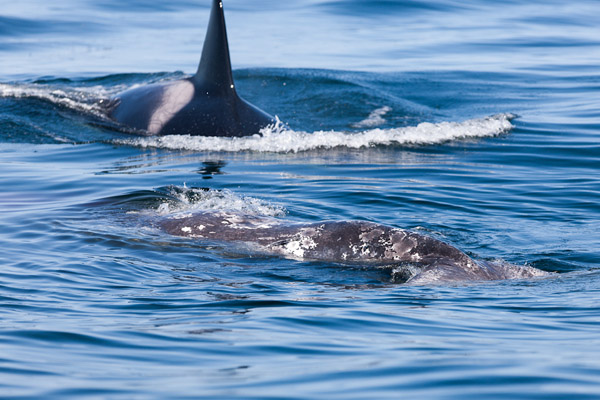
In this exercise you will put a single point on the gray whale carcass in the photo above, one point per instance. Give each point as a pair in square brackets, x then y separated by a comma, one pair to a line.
[206, 104]
[418, 259]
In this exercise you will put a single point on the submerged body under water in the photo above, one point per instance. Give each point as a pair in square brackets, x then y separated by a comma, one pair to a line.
[415, 258]
[471, 130]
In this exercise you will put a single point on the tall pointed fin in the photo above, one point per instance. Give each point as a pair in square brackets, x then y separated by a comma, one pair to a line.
[214, 70]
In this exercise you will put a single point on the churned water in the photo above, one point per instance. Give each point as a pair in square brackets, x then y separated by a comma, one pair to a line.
[477, 124]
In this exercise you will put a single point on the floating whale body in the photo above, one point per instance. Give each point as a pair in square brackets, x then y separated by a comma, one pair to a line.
[205, 104]
[416, 259]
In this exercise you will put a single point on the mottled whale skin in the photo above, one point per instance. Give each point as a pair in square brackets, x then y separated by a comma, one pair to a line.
[206, 104]
[420, 259]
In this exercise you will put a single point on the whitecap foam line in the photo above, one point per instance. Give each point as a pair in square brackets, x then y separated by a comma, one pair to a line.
[278, 139]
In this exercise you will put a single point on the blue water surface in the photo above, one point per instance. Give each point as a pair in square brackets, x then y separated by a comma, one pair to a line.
[476, 123]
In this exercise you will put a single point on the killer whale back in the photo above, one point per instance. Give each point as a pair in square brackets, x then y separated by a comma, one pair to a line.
[206, 104]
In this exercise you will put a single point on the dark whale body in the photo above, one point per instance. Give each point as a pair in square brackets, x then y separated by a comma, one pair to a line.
[418, 259]
[205, 104]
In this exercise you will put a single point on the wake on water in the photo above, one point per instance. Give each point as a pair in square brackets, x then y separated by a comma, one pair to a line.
[281, 139]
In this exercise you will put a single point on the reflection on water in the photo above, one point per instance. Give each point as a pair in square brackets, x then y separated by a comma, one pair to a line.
[210, 168]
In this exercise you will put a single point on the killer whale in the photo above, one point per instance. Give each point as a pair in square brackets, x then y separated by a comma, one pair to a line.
[415, 259]
[205, 104]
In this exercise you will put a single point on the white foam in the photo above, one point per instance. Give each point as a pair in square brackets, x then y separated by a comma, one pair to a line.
[194, 200]
[374, 119]
[276, 138]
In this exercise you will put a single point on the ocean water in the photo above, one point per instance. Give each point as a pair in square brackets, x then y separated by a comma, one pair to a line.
[475, 123]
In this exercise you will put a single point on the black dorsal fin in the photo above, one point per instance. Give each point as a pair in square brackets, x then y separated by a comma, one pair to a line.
[214, 70]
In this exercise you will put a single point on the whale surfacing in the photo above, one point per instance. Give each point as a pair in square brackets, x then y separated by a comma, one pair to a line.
[417, 259]
[206, 104]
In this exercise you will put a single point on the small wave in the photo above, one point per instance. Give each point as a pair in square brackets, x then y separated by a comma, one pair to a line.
[374, 119]
[277, 138]
[83, 99]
